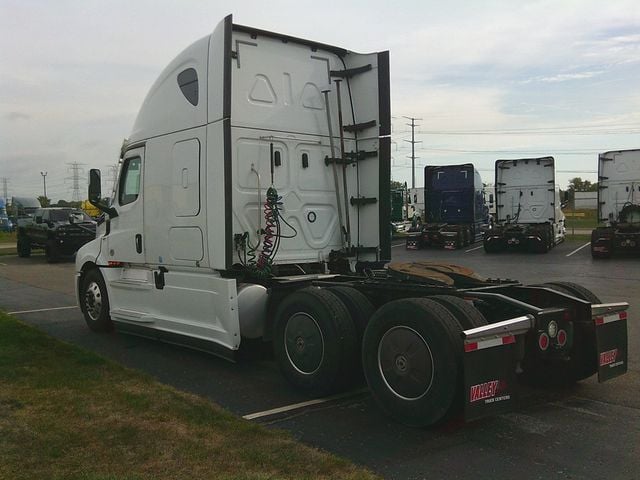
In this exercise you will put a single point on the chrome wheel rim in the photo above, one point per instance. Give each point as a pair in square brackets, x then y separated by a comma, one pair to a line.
[405, 363]
[93, 301]
[304, 343]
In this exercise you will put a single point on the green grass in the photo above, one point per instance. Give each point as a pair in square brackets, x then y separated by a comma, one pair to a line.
[68, 413]
[588, 220]
[6, 237]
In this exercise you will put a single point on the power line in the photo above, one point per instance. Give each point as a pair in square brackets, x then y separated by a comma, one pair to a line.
[620, 128]
[543, 151]
[529, 132]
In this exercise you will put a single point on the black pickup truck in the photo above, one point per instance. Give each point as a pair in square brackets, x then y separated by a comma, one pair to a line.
[59, 231]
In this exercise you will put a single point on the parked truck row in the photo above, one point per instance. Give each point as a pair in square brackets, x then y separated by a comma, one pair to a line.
[455, 211]
[253, 203]
[528, 207]
[528, 212]
[618, 204]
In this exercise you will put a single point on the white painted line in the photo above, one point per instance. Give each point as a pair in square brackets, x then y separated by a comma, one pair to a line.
[296, 406]
[397, 245]
[472, 249]
[41, 310]
[576, 409]
[578, 249]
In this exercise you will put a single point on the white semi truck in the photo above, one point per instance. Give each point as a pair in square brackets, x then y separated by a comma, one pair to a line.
[618, 204]
[528, 207]
[253, 203]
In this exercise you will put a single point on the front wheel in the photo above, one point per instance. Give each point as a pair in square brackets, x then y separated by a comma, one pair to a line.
[23, 247]
[94, 302]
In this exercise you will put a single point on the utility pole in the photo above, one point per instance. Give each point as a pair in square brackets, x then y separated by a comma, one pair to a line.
[44, 182]
[413, 149]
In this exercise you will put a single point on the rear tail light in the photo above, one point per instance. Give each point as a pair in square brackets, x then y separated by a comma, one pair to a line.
[543, 341]
[562, 338]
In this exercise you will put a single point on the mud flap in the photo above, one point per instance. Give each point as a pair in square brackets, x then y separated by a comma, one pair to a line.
[611, 339]
[490, 362]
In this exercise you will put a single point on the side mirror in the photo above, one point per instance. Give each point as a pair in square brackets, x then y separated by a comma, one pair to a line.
[95, 191]
[38, 219]
[491, 199]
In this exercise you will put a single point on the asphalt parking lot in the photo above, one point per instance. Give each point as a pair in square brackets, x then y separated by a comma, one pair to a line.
[587, 431]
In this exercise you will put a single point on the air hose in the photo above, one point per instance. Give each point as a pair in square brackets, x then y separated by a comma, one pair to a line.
[271, 231]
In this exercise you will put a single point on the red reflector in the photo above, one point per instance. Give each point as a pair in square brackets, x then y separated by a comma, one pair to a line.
[623, 315]
[470, 347]
[562, 338]
[543, 341]
[599, 320]
[508, 339]
[114, 263]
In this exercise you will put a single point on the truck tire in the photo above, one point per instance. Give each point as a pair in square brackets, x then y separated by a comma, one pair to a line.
[541, 246]
[582, 361]
[466, 314]
[493, 247]
[412, 360]
[575, 290]
[94, 301]
[359, 306]
[24, 247]
[51, 251]
[315, 341]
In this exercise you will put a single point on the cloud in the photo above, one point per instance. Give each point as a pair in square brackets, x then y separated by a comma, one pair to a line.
[564, 77]
[16, 116]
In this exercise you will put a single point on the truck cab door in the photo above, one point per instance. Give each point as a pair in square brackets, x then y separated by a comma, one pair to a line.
[42, 229]
[125, 242]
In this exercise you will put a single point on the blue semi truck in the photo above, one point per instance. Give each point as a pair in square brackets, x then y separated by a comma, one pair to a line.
[455, 208]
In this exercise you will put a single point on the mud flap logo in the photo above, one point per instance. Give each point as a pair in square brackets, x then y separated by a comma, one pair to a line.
[488, 391]
[609, 358]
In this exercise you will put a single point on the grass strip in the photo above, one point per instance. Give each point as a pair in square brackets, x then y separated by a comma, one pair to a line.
[66, 413]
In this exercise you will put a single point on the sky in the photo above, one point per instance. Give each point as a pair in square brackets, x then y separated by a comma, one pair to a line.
[486, 80]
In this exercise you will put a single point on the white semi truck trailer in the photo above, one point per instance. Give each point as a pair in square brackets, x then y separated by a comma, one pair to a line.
[618, 204]
[253, 203]
[528, 207]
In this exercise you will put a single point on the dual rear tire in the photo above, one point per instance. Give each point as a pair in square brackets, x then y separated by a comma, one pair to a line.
[410, 350]
[412, 360]
[316, 341]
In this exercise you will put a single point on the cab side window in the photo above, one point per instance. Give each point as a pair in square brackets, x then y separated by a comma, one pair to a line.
[129, 187]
